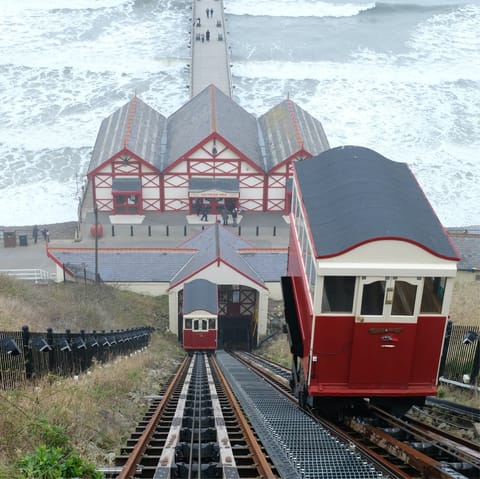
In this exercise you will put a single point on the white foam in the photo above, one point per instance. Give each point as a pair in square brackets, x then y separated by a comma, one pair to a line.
[294, 8]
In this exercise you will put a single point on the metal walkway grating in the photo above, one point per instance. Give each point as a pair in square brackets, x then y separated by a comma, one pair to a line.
[298, 446]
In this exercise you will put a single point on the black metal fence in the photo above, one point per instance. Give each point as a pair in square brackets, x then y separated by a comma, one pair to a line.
[461, 359]
[26, 356]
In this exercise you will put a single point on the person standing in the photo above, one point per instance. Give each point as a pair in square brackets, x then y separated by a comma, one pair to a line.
[234, 216]
[207, 11]
[207, 35]
[205, 214]
[225, 216]
[35, 234]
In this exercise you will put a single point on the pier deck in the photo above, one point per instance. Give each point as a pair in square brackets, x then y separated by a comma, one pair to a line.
[210, 58]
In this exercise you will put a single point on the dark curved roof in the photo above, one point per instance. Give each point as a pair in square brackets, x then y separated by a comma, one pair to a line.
[200, 295]
[353, 195]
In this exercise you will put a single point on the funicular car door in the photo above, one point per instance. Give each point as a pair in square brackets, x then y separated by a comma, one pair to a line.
[384, 332]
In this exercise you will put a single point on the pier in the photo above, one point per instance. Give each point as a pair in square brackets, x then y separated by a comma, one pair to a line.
[210, 52]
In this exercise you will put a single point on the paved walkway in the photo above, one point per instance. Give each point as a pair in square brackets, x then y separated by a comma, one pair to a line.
[210, 57]
[158, 230]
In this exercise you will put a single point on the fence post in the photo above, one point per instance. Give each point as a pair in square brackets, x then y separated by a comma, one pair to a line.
[239, 231]
[27, 352]
[166, 229]
[476, 363]
[446, 342]
[257, 230]
[51, 353]
[184, 230]
[113, 230]
[149, 230]
[131, 230]
[274, 231]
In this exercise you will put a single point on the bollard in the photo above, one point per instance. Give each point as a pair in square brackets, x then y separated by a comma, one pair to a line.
[166, 228]
[274, 231]
[257, 230]
[149, 230]
[113, 230]
[131, 230]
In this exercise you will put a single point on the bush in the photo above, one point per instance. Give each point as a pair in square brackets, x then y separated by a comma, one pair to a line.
[56, 459]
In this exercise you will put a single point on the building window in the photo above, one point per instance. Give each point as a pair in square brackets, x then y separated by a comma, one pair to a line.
[338, 292]
[373, 298]
[404, 298]
[432, 298]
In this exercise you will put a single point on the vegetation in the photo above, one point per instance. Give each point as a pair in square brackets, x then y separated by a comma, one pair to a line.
[97, 410]
[71, 423]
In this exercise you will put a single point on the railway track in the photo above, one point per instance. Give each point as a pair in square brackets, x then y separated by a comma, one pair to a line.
[195, 429]
[408, 448]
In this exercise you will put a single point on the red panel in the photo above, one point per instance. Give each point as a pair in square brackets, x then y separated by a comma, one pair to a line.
[428, 349]
[382, 359]
[199, 339]
[332, 345]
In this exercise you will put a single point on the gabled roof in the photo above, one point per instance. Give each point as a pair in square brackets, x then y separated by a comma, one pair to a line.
[270, 266]
[210, 112]
[354, 195]
[135, 127]
[216, 244]
[120, 266]
[287, 130]
[200, 295]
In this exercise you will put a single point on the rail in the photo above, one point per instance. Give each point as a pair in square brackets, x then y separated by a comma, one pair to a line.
[38, 276]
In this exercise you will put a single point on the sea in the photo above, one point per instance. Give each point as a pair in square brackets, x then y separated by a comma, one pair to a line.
[399, 77]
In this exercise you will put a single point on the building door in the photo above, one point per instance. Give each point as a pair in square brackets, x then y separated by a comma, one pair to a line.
[127, 203]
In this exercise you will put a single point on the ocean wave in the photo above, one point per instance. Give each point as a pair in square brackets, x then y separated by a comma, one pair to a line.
[389, 8]
[289, 8]
[52, 5]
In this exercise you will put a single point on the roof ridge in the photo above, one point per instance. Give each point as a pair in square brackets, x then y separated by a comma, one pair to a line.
[131, 116]
[293, 117]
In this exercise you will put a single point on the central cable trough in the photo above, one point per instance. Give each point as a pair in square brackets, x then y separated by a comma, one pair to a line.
[298, 446]
[197, 444]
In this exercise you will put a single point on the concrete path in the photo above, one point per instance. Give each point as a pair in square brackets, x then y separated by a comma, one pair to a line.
[210, 54]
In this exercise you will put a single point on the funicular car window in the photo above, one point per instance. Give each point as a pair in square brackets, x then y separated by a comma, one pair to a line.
[404, 298]
[188, 323]
[211, 323]
[204, 325]
[195, 324]
[373, 298]
[338, 292]
[432, 297]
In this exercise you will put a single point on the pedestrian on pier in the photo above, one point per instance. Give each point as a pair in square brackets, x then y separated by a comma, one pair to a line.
[203, 38]
[207, 11]
[198, 22]
[207, 35]
[211, 13]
